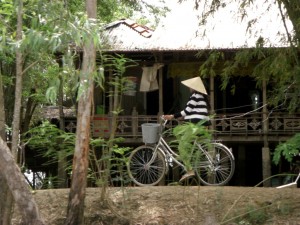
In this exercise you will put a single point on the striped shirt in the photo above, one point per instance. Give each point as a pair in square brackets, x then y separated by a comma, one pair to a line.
[196, 109]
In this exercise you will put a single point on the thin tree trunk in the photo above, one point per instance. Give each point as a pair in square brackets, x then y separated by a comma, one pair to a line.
[7, 204]
[62, 161]
[18, 187]
[75, 211]
[107, 164]
[292, 8]
[9, 201]
[2, 112]
[18, 88]
[29, 110]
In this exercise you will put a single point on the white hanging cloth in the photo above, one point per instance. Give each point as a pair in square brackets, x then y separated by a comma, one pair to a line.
[149, 80]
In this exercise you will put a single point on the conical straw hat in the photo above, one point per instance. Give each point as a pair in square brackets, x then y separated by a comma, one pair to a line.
[195, 84]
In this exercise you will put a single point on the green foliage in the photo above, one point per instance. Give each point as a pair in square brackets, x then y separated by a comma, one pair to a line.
[117, 159]
[186, 134]
[49, 28]
[45, 34]
[99, 78]
[118, 165]
[285, 208]
[50, 141]
[190, 131]
[53, 31]
[120, 84]
[7, 12]
[288, 150]
[52, 91]
[110, 10]
[256, 216]
[118, 63]
[279, 67]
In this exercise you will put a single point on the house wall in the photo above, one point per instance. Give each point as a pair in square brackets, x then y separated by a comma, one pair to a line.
[244, 134]
[238, 96]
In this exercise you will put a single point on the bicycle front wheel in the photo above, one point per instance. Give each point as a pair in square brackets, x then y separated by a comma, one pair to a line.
[215, 164]
[146, 167]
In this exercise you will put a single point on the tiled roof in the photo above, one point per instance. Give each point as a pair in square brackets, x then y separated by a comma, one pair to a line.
[142, 30]
[126, 34]
[224, 30]
[180, 30]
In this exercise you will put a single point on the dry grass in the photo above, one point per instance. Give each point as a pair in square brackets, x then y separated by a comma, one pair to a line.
[178, 205]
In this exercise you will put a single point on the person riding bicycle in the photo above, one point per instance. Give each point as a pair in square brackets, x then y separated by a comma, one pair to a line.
[196, 110]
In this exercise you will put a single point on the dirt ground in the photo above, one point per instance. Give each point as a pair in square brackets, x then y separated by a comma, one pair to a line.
[177, 205]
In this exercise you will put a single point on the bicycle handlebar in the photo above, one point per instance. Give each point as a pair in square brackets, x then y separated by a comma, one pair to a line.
[164, 120]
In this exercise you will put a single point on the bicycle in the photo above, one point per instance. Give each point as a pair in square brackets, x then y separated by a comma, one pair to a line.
[149, 163]
[291, 183]
[295, 167]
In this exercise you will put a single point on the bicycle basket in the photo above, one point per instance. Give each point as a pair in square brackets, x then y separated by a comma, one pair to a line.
[150, 132]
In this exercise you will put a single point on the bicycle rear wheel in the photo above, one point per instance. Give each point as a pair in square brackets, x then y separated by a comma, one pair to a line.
[215, 164]
[146, 167]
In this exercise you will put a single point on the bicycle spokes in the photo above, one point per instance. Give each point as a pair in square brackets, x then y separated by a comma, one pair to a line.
[215, 165]
[146, 166]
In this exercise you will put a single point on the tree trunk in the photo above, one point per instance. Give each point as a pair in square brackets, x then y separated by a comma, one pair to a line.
[293, 10]
[9, 201]
[75, 212]
[18, 187]
[62, 161]
[108, 152]
[29, 110]
[2, 112]
[266, 156]
[18, 88]
[5, 194]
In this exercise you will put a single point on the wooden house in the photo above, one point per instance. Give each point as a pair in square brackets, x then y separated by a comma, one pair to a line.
[242, 120]
[170, 54]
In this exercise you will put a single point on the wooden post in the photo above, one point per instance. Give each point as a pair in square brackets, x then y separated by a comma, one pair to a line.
[134, 124]
[266, 159]
[241, 166]
[212, 99]
[110, 90]
[160, 77]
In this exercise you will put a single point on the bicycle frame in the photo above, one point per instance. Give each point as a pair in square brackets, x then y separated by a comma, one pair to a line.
[150, 162]
[165, 149]
[169, 155]
[290, 184]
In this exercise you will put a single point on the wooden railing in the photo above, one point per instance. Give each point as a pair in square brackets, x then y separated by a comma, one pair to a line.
[277, 123]
[230, 126]
[278, 126]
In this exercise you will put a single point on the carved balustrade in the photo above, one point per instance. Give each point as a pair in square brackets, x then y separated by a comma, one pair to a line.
[277, 124]
[227, 125]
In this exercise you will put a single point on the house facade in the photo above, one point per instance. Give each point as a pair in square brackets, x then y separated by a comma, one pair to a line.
[242, 120]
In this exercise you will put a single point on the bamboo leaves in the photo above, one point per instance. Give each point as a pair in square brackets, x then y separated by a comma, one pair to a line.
[287, 150]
